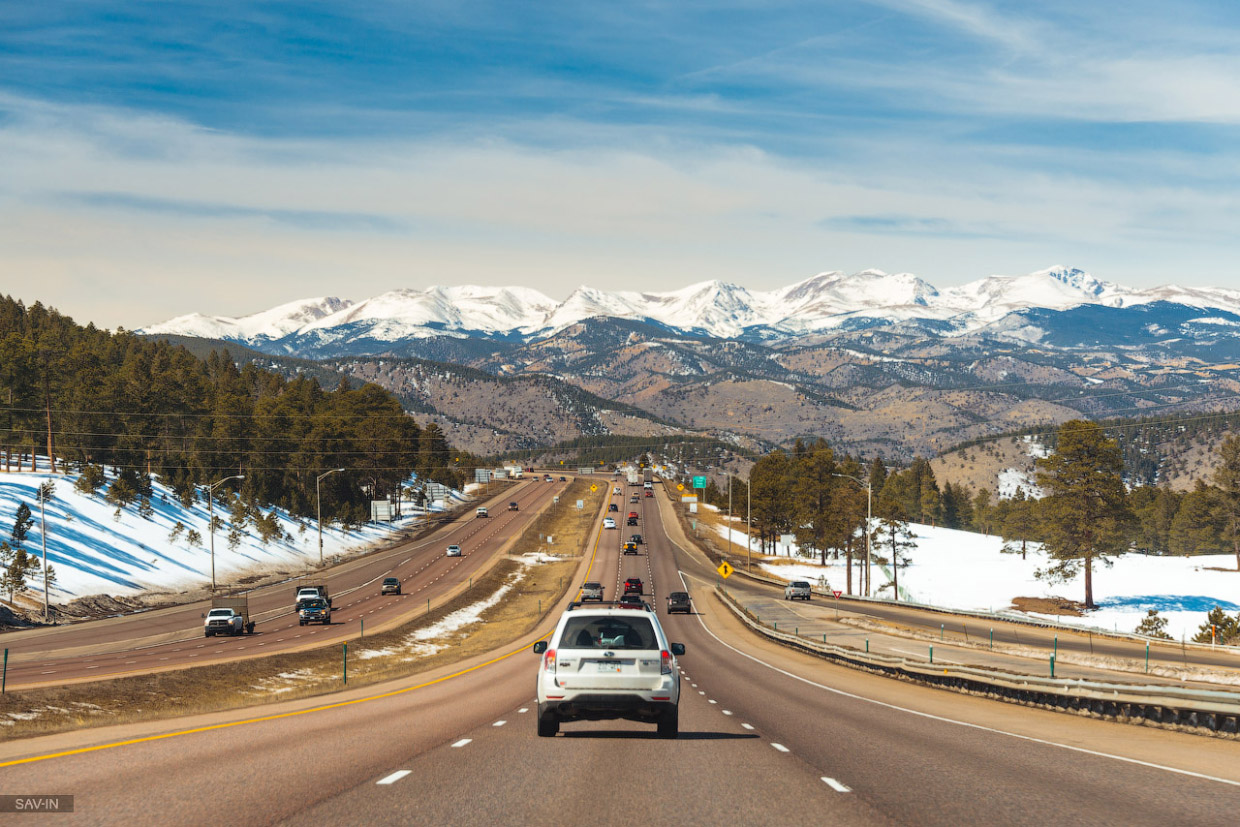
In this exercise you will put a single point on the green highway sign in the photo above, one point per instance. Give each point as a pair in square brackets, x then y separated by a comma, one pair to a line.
[699, 482]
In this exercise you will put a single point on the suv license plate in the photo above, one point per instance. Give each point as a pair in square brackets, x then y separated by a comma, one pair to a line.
[606, 666]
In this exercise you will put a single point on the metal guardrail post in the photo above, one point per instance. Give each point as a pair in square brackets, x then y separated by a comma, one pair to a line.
[345, 672]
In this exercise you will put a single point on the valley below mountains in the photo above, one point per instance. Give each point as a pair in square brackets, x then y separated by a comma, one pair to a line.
[896, 377]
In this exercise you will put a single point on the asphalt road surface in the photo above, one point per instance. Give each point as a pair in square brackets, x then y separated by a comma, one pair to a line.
[173, 638]
[768, 736]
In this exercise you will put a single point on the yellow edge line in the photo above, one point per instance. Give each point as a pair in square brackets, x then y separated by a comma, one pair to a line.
[323, 708]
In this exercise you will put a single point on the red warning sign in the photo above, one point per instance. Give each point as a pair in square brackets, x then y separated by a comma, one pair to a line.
[837, 594]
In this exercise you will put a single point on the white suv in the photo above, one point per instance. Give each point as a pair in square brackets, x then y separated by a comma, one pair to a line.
[605, 663]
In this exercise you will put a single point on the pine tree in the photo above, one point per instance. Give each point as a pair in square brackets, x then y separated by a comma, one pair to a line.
[1153, 626]
[1227, 478]
[1085, 515]
[21, 525]
[1219, 628]
[1020, 522]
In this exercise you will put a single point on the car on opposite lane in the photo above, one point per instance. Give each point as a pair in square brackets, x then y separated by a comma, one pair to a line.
[608, 663]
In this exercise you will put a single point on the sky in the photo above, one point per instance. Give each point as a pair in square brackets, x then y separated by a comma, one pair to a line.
[224, 157]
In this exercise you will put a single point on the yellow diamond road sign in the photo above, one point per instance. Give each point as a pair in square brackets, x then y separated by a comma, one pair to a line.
[725, 570]
[680, 486]
[593, 487]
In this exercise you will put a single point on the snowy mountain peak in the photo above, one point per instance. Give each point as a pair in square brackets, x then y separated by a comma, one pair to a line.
[268, 324]
[715, 308]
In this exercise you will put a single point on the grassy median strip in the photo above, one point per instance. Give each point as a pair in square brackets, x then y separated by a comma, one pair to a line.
[501, 606]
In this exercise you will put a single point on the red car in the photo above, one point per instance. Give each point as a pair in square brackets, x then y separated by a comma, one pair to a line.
[633, 585]
[649, 493]
[632, 515]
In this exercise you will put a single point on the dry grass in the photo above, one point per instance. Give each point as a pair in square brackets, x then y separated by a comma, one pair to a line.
[531, 591]
[1049, 606]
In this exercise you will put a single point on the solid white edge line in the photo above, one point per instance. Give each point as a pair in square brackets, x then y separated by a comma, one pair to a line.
[394, 777]
[835, 785]
[462, 742]
[1136, 761]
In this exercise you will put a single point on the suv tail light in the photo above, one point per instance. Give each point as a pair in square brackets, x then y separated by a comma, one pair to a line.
[666, 658]
[549, 661]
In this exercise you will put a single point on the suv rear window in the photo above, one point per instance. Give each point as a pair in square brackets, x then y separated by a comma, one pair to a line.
[608, 632]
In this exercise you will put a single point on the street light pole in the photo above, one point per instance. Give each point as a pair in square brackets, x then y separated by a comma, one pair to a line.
[43, 540]
[869, 518]
[211, 519]
[318, 504]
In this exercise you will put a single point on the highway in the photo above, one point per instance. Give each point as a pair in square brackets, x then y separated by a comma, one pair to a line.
[172, 638]
[768, 736]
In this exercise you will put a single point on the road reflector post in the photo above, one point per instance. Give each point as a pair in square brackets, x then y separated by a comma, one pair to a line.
[867, 646]
[942, 630]
[4, 681]
[1056, 652]
[1052, 666]
[932, 654]
[992, 638]
[428, 605]
[363, 627]
[346, 663]
[966, 632]
[796, 630]
[1147, 656]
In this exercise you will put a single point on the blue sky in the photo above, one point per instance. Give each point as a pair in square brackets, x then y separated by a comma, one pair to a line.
[163, 158]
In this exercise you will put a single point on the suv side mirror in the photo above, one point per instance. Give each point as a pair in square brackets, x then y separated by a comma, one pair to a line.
[678, 649]
[541, 646]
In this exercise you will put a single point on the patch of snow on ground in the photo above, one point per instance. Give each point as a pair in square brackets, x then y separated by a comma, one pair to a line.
[963, 570]
[418, 643]
[94, 552]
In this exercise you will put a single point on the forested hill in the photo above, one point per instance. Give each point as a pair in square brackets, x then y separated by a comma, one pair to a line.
[90, 399]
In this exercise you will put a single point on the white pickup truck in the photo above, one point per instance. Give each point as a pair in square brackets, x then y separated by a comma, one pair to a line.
[228, 616]
[797, 590]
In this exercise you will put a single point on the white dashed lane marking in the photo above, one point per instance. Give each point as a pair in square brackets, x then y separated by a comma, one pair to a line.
[727, 712]
[747, 726]
[780, 747]
[462, 742]
[399, 774]
[499, 723]
[523, 710]
[835, 785]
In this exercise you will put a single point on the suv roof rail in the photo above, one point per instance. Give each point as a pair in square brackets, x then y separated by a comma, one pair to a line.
[607, 604]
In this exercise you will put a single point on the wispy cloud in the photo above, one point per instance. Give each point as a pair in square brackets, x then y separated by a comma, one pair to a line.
[257, 153]
[303, 219]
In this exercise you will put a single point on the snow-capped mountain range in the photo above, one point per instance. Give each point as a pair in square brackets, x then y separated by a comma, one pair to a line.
[827, 301]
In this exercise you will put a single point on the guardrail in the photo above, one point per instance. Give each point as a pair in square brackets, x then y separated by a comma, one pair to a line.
[1193, 710]
[1004, 617]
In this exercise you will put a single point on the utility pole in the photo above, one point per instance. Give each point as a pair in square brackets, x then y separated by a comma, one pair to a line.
[869, 519]
[43, 539]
